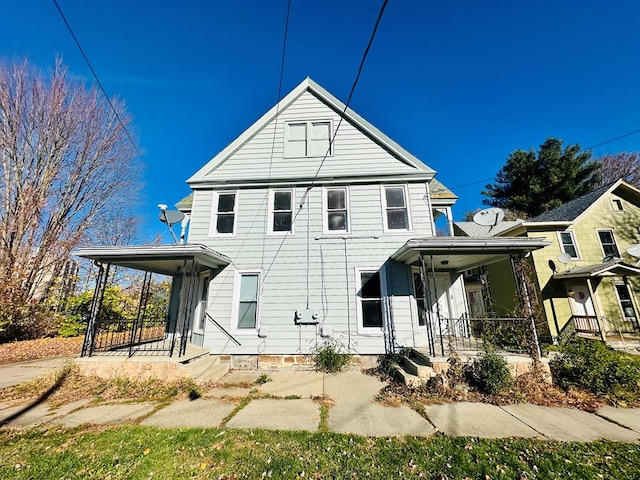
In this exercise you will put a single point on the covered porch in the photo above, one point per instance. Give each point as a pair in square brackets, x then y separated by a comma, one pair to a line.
[173, 332]
[602, 301]
[447, 320]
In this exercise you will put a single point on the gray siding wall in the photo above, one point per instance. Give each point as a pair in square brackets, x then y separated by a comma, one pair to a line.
[354, 153]
[331, 270]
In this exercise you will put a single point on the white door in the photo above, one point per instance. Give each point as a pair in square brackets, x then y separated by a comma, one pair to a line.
[581, 303]
[475, 300]
[440, 304]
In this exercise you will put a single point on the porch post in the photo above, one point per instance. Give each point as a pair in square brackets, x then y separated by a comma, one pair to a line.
[596, 308]
[435, 296]
[96, 305]
[427, 303]
[525, 300]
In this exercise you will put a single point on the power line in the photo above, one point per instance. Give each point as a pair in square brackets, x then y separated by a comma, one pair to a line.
[353, 87]
[113, 109]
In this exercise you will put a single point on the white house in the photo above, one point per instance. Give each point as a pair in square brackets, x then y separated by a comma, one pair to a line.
[325, 230]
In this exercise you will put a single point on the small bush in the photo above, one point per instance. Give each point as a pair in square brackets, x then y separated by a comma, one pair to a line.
[262, 379]
[594, 366]
[72, 326]
[489, 373]
[387, 362]
[330, 357]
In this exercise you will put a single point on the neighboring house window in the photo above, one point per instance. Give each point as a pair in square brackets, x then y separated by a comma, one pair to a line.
[370, 299]
[336, 210]
[625, 301]
[308, 139]
[281, 214]
[568, 244]
[396, 211]
[225, 213]
[617, 205]
[247, 318]
[608, 243]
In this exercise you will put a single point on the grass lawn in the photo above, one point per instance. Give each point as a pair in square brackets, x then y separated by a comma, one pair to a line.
[135, 452]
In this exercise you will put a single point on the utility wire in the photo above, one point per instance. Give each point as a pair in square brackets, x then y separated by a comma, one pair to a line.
[113, 109]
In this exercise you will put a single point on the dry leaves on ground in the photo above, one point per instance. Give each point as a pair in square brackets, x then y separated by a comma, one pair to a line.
[41, 348]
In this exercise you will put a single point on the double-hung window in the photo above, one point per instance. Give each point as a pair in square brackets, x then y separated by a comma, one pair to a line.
[568, 244]
[224, 213]
[370, 300]
[608, 242]
[281, 211]
[336, 210]
[247, 287]
[308, 139]
[396, 210]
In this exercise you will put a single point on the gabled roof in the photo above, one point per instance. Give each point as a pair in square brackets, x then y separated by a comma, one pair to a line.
[332, 102]
[616, 268]
[472, 229]
[570, 211]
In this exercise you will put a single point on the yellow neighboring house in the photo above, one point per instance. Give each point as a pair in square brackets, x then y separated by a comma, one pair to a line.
[588, 281]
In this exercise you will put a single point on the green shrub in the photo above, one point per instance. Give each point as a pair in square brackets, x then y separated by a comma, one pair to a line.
[330, 357]
[72, 326]
[387, 362]
[489, 373]
[594, 366]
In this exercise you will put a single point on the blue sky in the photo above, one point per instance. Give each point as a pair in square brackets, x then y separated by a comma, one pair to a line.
[458, 84]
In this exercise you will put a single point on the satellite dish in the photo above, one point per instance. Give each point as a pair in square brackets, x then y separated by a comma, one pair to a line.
[634, 250]
[489, 217]
[171, 217]
[564, 257]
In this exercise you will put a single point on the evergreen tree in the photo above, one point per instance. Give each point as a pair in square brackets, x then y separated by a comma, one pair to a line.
[534, 182]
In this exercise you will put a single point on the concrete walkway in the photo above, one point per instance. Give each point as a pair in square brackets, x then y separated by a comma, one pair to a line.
[297, 400]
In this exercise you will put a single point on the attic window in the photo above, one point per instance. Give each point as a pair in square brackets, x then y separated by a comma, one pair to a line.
[308, 139]
[617, 205]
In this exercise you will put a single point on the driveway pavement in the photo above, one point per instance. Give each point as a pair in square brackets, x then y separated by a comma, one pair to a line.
[299, 400]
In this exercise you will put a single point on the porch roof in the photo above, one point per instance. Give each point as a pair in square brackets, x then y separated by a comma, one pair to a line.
[164, 259]
[464, 253]
[615, 268]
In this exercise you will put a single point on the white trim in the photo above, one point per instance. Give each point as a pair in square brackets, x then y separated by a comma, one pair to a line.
[214, 213]
[270, 219]
[613, 236]
[383, 202]
[201, 306]
[308, 132]
[235, 308]
[325, 223]
[359, 316]
[573, 240]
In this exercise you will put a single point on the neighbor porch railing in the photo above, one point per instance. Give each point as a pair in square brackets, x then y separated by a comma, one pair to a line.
[585, 323]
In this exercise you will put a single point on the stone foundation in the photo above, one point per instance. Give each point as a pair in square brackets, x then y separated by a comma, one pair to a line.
[517, 365]
[279, 363]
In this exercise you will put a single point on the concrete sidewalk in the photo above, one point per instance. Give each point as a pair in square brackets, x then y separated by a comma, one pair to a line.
[294, 401]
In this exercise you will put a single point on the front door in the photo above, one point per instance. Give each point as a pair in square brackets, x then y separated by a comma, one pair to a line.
[581, 303]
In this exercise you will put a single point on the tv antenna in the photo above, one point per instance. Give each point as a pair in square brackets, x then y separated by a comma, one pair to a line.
[170, 218]
[489, 217]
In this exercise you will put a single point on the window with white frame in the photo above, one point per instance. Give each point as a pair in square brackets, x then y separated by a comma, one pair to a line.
[308, 139]
[224, 213]
[396, 211]
[247, 310]
[568, 244]
[336, 210]
[281, 211]
[608, 242]
[370, 299]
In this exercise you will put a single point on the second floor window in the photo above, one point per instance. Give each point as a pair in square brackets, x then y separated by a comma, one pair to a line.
[281, 211]
[336, 210]
[608, 243]
[307, 139]
[568, 244]
[396, 213]
[225, 213]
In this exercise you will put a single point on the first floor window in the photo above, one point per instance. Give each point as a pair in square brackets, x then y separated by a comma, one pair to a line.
[625, 301]
[225, 213]
[568, 244]
[371, 299]
[282, 211]
[336, 210]
[608, 243]
[248, 301]
[395, 206]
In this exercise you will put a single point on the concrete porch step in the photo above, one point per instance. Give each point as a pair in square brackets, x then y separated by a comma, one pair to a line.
[206, 368]
[417, 367]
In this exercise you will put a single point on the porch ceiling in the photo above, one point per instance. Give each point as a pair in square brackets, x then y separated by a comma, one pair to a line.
[164, 259]
[616, 268]
[462, 253]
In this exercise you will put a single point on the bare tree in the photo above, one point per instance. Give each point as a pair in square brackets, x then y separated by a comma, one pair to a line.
[624, 165]
[65, 160]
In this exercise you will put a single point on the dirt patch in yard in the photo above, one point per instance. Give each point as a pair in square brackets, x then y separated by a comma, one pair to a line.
[14, 352]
